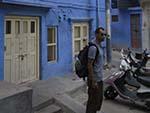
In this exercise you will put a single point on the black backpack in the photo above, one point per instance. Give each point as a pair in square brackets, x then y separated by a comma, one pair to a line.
[81, 68]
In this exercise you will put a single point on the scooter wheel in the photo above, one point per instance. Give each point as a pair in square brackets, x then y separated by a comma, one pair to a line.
[148, 105]
[110, 93]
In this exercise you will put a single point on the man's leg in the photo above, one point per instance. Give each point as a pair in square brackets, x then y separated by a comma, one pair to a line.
[91, 108]
[99, 96]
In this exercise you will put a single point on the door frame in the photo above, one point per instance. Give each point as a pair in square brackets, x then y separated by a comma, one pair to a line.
[73, 45]
[140, 31]
[9, 17]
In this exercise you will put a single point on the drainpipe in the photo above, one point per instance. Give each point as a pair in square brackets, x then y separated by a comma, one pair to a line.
[108, 31]
[97, 13]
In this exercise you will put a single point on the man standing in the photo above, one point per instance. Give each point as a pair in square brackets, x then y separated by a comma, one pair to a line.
[95, 73]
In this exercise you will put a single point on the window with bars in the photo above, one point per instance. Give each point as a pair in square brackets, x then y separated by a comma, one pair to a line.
[52, 44]
[115, 18]
[114, 4]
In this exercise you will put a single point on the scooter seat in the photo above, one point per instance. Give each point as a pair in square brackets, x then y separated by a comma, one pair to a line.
[132, 81]
[144, 80]
[145, 71]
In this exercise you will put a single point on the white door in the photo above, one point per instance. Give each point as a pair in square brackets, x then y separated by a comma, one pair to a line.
[80, 38]
[21, 49]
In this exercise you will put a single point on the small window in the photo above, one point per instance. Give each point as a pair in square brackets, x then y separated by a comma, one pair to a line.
[77, 46]
[8, 27]
[25, 26]
[51, 44]
[114, 4]
[115, 18]
[32, 27]
[17, 27]
[85, 29]
[77, 31]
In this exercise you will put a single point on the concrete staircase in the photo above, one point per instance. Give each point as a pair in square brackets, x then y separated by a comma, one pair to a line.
[50, 96]
[43, 104]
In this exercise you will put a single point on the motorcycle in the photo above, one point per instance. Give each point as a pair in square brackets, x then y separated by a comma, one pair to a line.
[127, 84]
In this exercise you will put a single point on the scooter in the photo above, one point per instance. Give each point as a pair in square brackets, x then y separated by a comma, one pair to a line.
[140, 60]
[140, 66]
[124, 83]
[141, 72]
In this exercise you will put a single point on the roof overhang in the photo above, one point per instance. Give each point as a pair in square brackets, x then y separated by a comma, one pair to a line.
[128, 3]
[30, 3]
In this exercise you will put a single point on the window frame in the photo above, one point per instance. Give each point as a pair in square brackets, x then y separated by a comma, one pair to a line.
[52, 44]
[81, 38]
[115, 18]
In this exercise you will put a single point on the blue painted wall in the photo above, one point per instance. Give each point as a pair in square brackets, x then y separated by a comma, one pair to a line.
[1, 45]
[121, 35]
[49, 12]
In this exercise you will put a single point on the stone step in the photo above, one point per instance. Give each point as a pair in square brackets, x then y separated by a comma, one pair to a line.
[68, 104]
[50, 109]
[41, 102]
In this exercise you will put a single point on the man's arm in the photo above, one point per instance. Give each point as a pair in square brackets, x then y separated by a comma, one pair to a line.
[90, 69]
[91, 58]
[91, 81]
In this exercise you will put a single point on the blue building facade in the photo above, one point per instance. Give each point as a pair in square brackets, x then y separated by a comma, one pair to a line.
[39, 38]
[126, 24]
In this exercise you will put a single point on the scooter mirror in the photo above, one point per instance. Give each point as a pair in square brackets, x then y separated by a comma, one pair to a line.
[148, 56]
[122, 53]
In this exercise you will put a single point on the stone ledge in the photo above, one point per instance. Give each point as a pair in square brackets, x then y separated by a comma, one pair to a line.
[8, 89]
[15, 99]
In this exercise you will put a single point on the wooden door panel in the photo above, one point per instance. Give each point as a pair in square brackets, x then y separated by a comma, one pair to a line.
[20, 50]
[31, 66]
[135, 31]
[15, 70]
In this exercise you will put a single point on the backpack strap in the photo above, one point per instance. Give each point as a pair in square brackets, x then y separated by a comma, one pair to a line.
[97, 51]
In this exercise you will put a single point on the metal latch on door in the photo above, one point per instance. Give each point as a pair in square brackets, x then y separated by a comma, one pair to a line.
[22, 56]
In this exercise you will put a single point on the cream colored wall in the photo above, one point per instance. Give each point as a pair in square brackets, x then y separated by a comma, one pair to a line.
[146, 24]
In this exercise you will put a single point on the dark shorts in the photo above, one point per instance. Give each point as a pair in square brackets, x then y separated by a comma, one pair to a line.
[95, 98]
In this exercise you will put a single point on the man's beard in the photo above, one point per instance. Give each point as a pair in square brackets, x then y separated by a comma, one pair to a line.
[102, 39]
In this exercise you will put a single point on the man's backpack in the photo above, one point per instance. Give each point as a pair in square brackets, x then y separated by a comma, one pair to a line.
[81, 68]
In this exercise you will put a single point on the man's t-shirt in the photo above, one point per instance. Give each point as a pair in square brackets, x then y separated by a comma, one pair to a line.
[98, 65]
